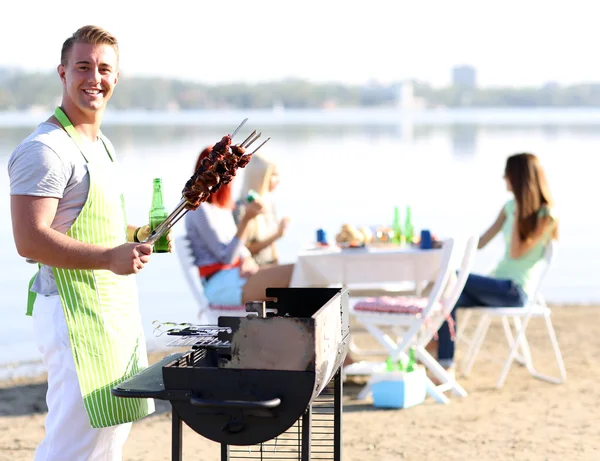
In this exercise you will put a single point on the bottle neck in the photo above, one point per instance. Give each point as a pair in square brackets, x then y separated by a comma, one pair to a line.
[157, 198]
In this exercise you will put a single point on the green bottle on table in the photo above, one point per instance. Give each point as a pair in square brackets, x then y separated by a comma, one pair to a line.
[409, 230]
[158, 213]
[397, 227]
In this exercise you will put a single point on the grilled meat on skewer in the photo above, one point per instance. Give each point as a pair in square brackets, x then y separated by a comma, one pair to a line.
[218, 168]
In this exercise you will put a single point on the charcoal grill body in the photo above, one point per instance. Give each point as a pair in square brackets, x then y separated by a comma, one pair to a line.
[265, 381]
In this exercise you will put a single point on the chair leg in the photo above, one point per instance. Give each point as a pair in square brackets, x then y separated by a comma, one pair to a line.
[513, 352]
[359, 351]
[388, 343]
[510, 338]
[435, 393]
[476, 343]
[364, 392]
[448, 382]
[465, 317]
[526, 358]
[559, 360]
[557, 355]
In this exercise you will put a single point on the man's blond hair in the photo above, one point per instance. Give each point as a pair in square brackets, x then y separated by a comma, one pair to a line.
[92, 35]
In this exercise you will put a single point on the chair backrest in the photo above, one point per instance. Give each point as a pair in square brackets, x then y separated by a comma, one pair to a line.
[443, 276]
[465, 253]
[467, 261]
[433, 299]
[535, 295]
[183, 248]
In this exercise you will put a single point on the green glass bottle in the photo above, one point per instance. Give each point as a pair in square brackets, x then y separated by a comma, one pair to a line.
[158, 213]
[409, 231]
[397, 227]
[252, 196]
[389, 364]
[410, 366]
[400, 365]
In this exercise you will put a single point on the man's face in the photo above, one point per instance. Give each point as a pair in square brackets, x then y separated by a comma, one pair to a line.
[89, 77]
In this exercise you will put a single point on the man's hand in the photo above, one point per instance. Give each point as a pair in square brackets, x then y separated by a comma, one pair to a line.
[129, 258]
[144, 233]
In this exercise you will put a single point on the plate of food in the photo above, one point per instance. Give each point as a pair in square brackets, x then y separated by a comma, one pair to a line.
[351, 245]
[353, 237]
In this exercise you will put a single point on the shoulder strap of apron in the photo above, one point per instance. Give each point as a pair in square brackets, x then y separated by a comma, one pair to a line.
[72, 132]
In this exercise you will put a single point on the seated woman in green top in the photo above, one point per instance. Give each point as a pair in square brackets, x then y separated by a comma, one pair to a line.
[528, 224]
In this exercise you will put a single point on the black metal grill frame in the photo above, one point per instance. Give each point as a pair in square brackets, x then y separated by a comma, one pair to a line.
[310, 407]
[316, 436]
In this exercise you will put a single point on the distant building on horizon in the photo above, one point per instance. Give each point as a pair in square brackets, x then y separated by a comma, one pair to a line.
[405, 98]
[404, 95]
[464, 76]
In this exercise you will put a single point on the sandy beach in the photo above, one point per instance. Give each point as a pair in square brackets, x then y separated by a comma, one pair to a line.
[526, 420]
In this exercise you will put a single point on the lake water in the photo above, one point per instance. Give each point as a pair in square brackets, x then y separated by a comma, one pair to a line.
[341, 167]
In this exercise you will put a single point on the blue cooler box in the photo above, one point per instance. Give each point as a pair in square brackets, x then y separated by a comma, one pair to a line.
[397, 389]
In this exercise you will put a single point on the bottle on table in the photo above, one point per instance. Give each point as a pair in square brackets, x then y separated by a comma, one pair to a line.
[158, 213]
[409, 230]
[397, 227]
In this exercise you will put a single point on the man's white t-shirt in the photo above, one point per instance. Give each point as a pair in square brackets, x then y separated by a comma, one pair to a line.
[48, 163]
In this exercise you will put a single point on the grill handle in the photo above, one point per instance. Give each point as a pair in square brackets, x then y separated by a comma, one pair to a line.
[261, 404]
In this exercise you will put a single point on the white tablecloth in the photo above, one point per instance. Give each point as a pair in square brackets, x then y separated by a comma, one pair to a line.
[364, 266]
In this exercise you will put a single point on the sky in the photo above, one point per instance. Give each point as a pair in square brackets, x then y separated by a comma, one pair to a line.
[509, 42]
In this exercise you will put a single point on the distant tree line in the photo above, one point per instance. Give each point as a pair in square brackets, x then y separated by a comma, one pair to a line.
[22, 91]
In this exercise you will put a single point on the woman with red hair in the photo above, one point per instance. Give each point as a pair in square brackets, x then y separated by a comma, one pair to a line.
[229, 274]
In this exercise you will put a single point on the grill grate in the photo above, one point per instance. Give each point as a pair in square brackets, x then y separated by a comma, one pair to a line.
[187, 334]
[199, 341]
[288, 445]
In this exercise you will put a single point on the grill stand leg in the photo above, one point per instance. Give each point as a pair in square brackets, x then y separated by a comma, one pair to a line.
[306, 424]
[224, 452]
[176, 436]
[337, 415]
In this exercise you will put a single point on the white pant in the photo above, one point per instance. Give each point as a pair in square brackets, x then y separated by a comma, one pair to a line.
[69, 435]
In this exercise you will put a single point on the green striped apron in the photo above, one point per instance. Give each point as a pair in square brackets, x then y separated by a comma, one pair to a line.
[101, 308]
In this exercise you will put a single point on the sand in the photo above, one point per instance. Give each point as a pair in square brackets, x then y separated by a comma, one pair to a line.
[526, 420]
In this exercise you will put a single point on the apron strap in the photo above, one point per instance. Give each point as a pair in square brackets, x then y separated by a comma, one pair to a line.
[31, 296]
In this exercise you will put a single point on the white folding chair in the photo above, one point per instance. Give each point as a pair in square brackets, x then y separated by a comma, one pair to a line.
[518, 344]
[413, 329]
[207, 314]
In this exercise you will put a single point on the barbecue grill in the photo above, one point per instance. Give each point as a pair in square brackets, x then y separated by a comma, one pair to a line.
[264, 386]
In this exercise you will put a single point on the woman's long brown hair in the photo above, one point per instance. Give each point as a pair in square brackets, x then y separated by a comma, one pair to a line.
[530, 187]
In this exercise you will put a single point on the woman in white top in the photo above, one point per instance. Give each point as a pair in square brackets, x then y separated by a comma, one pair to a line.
[261, 177]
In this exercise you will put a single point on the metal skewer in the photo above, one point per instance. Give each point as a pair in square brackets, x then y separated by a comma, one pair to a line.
[247, 139]
[251, 141]
[180, 210]
[238, 128]
[263, 143]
